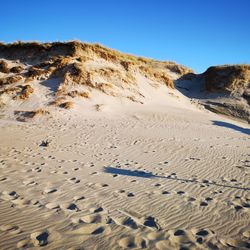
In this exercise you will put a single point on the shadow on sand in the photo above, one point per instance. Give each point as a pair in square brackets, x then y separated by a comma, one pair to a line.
[136, 173]
[232, 126]
[149, 175]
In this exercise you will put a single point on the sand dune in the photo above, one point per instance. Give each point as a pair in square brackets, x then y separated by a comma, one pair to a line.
[110, 172]
[221, 89]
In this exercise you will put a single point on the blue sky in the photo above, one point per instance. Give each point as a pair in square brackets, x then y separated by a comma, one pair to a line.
[196, 33]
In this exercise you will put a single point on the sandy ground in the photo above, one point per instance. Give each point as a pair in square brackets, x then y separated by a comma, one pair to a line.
[155, 177]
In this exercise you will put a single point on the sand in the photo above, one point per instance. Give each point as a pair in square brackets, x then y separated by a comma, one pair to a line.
[114, 158]
[154, 176]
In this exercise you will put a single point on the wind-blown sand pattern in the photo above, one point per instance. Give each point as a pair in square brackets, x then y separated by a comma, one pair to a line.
[111, 173]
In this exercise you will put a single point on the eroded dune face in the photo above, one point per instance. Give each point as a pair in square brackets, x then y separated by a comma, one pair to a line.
[232, 78]
[221, 89]
[234, 82]
[57, 73]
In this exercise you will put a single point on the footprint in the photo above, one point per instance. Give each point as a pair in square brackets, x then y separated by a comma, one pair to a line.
[129, 194]
[127, 242]
[179, 236]
[236, 243]
[190, 199]
[99, 230]
[78, 198]
[9, 195]
[163, 245]
[23, 244]
[157, 185]
[203, 204]
[74, 180]
[2, 178]
[165, 192]
[140, 242]
[101, 185]
[202, 233]
[50, 190]
[10, 229]
[246, 234]
[95, 218]
[150, 222]
[96, 209]
[126, 221]
[20, 202]
[180, 192]
[37, 169]
[52, 205]
[69, 206]
[208, 199]
[29, 183]
[40, 238]
[205, 181]
[155, 235]
[91, 229]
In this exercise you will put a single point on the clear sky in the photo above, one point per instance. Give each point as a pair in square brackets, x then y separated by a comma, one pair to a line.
[196, 33]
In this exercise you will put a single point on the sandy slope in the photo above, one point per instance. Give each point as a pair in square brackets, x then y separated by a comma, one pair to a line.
[156, 176]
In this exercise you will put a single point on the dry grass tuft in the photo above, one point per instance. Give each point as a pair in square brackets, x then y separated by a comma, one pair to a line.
[176, 68]
[67, 105]
[83, 59]
[169, 82]
[18, 92]
[10, 80]
[76, 93]
[134, 99]
[57, 101]
[109, 74]
[12, 90]
[104, 86]
[99, 107]
[25, 92]
[77, 74]
[4, 67]
[39, 112]
[61, 90]
[16, 69]
[35, 72]
[2, 103]
[156, 75]
[24, 115]
[127, 64]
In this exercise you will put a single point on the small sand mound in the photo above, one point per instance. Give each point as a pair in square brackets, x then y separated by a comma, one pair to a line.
[25, 115]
